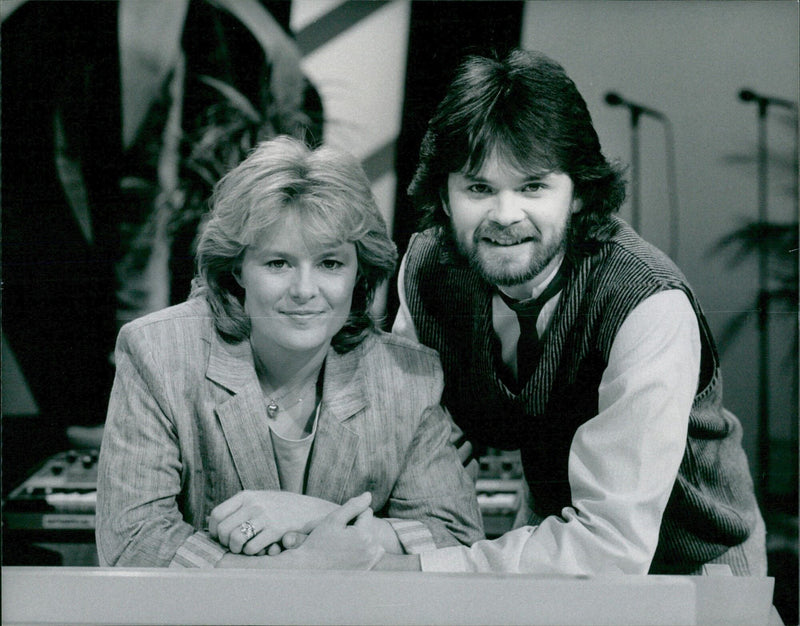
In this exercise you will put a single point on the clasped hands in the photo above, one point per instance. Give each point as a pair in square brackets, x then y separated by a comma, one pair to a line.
[281, 519]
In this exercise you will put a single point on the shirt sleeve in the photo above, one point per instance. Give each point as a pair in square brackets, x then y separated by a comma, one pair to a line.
[138, 522]
[199, 550]
[403, 322]
[622, 463]
[414, 536]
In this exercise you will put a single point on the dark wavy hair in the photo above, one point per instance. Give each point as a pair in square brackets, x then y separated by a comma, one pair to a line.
[329, 193]
[527, 109]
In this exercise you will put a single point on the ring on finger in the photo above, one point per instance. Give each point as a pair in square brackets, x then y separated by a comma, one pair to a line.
[248, 530]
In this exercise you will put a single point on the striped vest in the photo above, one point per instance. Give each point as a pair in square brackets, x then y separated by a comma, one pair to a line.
[712, 506]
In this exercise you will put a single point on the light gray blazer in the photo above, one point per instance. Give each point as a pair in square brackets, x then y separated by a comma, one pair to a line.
[187, 429]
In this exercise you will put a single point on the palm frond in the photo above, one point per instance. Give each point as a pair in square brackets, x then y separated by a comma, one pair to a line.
[234, 98]
[778, 241]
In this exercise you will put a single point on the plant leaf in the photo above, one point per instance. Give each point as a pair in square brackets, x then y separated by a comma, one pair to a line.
[235, 98]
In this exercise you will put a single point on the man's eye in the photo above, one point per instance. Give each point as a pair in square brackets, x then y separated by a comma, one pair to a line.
[479, 188]
[532, 187]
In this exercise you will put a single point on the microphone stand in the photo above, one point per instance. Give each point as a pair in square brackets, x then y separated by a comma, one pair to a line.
[763, 308]
[672, 184]
[764, 295]
[636, 113]
[672, 191]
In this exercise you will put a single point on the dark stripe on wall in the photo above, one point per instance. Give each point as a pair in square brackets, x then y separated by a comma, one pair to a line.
[332, 24]
[441, 34]
[381, 161]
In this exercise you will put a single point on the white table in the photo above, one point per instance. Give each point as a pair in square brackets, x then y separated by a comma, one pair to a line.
[84, 595]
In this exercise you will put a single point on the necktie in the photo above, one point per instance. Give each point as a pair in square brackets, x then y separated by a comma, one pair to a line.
[529, 347]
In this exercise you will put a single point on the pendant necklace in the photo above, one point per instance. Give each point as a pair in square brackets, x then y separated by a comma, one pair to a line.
[273, 407]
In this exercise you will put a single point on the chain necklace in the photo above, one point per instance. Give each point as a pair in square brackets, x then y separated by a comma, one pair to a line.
[273, 408]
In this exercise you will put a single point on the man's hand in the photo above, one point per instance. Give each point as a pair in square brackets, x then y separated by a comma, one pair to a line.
[272, 515]
[380, 530]
[334, 544]
[293, 540]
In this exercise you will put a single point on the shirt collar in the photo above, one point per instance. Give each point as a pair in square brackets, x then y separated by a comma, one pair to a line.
[537, 285]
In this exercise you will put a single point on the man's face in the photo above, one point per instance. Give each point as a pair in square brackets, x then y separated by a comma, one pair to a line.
[510, 224]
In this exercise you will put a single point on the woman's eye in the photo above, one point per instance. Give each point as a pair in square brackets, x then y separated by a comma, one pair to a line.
[479, 188]
[276, 264]
[331, 264]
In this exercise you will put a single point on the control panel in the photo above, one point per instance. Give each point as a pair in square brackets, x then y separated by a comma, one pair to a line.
[499, 490]
[60, 495]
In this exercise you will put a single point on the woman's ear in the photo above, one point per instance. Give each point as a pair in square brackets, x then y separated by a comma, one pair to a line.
[237, 275]
[576, 206]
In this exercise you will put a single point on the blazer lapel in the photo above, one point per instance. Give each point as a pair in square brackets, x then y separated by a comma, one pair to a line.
[242, 413]
[336, 444]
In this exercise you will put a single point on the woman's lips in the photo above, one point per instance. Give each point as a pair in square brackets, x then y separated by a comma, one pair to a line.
[302, 313]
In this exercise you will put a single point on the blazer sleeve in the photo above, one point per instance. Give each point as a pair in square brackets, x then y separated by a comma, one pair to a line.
[139, 523]
[433, 486]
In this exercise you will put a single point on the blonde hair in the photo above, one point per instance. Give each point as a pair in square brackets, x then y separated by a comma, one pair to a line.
[329, 193]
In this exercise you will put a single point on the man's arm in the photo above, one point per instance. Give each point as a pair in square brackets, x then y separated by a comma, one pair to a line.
[622, 463]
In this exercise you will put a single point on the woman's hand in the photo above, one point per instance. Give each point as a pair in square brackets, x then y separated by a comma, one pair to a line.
[333, 544]
[272, 514]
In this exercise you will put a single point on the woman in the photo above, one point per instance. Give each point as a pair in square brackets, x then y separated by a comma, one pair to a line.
[269, 397]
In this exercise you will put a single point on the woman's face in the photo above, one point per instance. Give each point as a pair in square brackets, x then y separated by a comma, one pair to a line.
[297, 296]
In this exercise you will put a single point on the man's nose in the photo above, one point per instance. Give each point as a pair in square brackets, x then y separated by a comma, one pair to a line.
[507, 208]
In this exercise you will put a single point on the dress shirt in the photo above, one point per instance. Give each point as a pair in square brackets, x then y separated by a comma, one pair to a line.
[621, 470]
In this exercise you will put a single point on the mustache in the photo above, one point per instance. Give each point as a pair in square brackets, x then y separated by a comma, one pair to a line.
[514, 232]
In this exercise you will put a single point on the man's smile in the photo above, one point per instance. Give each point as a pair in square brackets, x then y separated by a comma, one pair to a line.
[506, 241]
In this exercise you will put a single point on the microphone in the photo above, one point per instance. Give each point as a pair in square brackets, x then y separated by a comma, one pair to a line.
[614, 99]
[748, 95]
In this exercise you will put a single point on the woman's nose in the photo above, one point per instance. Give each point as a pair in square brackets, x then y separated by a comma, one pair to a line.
[304, 286]
[507, 208]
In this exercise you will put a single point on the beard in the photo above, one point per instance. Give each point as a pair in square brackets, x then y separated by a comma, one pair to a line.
[507, 267]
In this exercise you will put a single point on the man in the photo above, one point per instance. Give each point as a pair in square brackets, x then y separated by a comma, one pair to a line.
[565, 335]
